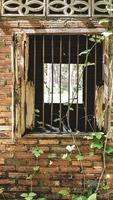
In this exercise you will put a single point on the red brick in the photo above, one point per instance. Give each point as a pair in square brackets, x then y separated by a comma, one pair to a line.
[7, 155]
[27, 182]
[27, 141]
[84, 163]
[17, 175]
[60, 163]
[7, 168]
[2, 161]
[94, 157]
[2, 121]
[4, 108]
[93, 171]
[17, 148]
[24, 168]
[6, 181]
[70, 169]
[49, 169]
[6, 114]
[18, 188]
[46, 149]
[24, 155]
[6, 101]
[50, 141]
[57, 189]
[69, 142]
[5, 62]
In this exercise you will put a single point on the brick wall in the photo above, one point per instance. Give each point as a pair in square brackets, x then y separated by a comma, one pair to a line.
[16, 159]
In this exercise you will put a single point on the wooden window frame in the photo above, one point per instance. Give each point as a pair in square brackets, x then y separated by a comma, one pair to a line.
[23, 120]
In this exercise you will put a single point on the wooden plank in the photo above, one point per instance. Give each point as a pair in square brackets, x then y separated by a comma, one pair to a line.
[30, 106]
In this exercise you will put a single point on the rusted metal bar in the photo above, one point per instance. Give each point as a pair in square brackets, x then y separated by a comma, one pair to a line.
[77, 81]
[86, 77]
[52, 60]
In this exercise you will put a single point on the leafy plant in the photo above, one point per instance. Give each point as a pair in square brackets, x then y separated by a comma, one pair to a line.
[63, 192]
[28, 196]
[96, 139]
[37, 152]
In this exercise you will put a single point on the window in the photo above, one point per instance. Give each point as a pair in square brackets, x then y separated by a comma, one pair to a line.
[64, 83]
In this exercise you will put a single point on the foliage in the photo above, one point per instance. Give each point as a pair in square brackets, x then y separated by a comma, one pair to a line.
[96, 139]
[37, 152]
[28, 196]
[63, 192]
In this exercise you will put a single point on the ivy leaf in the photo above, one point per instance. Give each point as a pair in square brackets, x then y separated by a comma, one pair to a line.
[91, 153]
[36, 168]
[29, 177]
[37, 152]
[92, 39]
[109, 150]
[42, 198]
[37, 110]
[71, 109]
[89, 137]
[32, 194]
[66, 157]
[70, 148]
[24, 195]
[93, 197]
[1, 190]
[96, 144]
[84, 52]
[99, 135]
[63, 192]
[107, 33]
[79, 157]
[76, 197]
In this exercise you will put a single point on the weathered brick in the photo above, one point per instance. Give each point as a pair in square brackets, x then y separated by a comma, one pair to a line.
[69, 142]
[23, 155]
[60, 163]
[7, 168]
[6, 181]
[2, 161]
[27, 141]
[26, 182]
[70, 169]
[47, 142]
[49, 169]
[17, 175]
[24, 168]
[84, 163]
[18, 188]
[7, 155]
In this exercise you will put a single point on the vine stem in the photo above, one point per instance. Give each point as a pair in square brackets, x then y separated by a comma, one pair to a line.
[81, 164]
[104, 163]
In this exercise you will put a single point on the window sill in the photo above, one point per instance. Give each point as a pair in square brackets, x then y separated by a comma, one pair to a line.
[55, 135]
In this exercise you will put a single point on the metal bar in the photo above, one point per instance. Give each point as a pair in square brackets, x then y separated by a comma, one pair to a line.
[95, 80]
[34, 69]
[34, 59]
[86, 76]
[52, 60]
[77, 81]
[60, 111]
[69, 53]
[43, 49]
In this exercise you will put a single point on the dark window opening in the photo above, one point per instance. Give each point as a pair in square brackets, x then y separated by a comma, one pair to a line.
[64, 86]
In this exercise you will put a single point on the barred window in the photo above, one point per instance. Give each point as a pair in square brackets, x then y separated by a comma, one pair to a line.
[65, 81]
